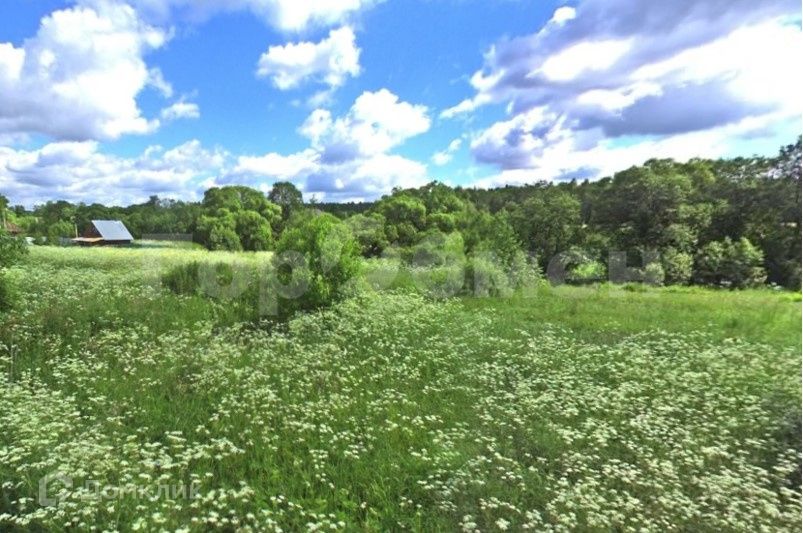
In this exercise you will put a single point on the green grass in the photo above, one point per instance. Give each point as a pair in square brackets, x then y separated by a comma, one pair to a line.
[608, 313]
[574, 409]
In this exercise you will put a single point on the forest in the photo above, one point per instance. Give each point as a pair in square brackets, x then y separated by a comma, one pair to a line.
[726, 222]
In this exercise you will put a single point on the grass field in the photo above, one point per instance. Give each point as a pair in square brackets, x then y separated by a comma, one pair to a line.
[568, 409]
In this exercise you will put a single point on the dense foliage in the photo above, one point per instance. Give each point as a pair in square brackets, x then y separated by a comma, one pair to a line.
[673, 221]
[12, 249]
[315, 259]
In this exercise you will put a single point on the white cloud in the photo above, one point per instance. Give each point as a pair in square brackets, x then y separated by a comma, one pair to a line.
[563, 159]
[377, 122]
[157, 81]
[284, 15]
[78, 171]
[79, 76]
[563, 14]
[583, 57]
[663, 75]
[180, 109]
[364, 179]
[348, 156]
[329, 61]
[276, 166]
[444, 156]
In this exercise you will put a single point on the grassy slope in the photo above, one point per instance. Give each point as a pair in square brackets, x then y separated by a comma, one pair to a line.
[393, 412]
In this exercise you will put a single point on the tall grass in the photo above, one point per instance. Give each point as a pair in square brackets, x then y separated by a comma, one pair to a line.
[573, 409]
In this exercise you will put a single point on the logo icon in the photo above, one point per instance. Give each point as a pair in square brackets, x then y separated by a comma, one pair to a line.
[52, 482]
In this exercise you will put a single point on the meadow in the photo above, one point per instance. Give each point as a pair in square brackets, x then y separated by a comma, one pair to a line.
[562, 409]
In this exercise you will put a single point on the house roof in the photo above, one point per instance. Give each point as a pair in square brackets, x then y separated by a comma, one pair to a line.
[12, 228]
[112, 230]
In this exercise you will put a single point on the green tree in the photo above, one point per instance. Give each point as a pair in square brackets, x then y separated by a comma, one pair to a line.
[218, 231]
[547, 223]
[253, 230]
[642, 203]
[734, 264]
[287, 197]
[236, 218]
[369, 230]
[405, 216]
[59, 230]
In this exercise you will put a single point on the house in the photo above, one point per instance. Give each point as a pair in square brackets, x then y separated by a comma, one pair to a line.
[12, 228]
[101, 232]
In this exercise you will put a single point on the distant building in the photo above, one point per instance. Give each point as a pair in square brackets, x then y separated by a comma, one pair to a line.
[12, 228]
[101, 232]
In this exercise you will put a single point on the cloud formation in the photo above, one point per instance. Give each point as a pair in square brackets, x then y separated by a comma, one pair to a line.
[348, 157]
[180, 109]
[611, 69]
[284, 15]
[79, 76]
[444, 156]
[330, 61]
[78, 171]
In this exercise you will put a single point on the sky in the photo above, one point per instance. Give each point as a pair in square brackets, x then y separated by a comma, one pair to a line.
[113, 101]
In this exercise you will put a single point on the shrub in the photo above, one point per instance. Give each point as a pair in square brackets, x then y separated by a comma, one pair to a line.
[588, 271]
[330, 254]
[6, 293]
[254, 231]
[224, 238]
[214, 279]
[732, 264]
[369, 230]
[486, 277]
[654, 274]
[443, 281]
[744, 265]
[677, 266]
[182, 279]
[12, 249]
[524, 272]
[576, 265]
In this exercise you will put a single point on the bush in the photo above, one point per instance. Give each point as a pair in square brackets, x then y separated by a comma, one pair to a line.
[578, 266]
[6, 293]
[677, 266]
[330, 254]
[654, 274]
[744, 265]
[437, 249]
[12, 249]
[217, 280]
[588, 271]
[732, 264]
[486, 277]
[182, 279]
[369, 232]
[222, 237]
[443, 281]
[524, 272]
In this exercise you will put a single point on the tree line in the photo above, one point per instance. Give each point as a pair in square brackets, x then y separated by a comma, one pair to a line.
[726, 222]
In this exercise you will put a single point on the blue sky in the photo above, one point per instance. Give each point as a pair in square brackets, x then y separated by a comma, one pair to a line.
[114, 100]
